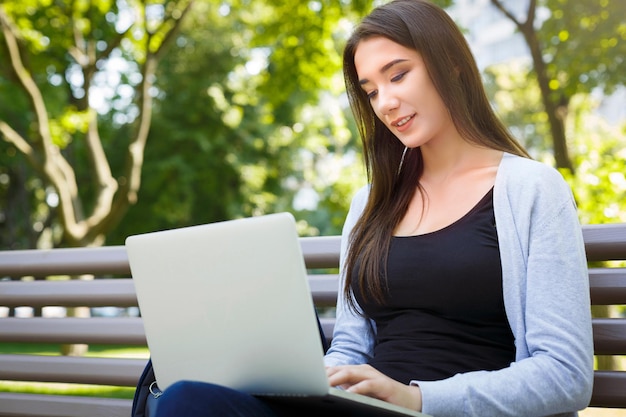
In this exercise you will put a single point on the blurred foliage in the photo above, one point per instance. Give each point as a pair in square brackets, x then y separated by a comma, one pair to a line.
[516, 98]
[244, 123]
[60, 55]
[582, 49]
[584, 45]
[249, 111]
[576, 46]
[598, 146]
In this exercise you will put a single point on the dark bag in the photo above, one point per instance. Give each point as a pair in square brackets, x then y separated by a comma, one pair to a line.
[147, 392]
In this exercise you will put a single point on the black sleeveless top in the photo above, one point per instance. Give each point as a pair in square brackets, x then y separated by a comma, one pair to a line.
[444, 310]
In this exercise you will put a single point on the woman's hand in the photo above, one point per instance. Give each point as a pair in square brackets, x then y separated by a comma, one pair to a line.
[365, 380]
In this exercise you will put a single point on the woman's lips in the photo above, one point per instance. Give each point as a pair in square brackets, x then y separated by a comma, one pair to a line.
[403, 123]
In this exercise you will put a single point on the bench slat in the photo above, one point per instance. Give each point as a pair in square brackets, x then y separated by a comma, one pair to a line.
[97, 330]
[609, 389]
[40, 405]
[605, 242]
[607, 286]
[609, 336]
[65, 261]
[602, 242]
[82, 370]
[324, 289]
[321, 252]
[69, 293]
[118, 292]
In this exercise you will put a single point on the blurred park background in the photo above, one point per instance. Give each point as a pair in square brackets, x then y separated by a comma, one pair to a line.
[127, 116]
[122, 116]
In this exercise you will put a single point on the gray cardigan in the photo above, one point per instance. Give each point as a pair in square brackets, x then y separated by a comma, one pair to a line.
[546, 296]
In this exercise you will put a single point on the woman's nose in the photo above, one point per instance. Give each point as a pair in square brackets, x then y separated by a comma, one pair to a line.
[387, 102]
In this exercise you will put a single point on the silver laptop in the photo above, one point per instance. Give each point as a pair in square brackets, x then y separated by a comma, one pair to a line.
[229, 303]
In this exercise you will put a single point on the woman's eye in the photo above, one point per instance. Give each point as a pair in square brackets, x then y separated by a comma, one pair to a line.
[372, 94]
[398, 77]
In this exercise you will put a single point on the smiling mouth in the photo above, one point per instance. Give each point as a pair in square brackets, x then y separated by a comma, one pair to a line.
[404, 121]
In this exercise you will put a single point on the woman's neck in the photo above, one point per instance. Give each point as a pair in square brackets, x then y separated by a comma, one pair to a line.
[454, 158]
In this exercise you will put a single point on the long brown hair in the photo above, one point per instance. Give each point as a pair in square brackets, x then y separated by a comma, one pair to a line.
[427, 29]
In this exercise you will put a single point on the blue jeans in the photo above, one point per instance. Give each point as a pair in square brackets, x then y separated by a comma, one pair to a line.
[199, 399]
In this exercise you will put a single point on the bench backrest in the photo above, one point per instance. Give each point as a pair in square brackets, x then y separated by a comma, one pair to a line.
[607, 288]
[607, 282]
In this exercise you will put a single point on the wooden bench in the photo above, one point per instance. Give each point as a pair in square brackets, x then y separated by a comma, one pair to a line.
[608, 287]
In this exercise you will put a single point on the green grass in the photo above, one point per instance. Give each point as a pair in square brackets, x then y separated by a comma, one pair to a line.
[108, 351]
[102, 351]
[67, 389]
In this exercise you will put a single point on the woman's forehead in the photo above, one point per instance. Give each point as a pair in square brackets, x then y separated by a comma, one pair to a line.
[378, 54]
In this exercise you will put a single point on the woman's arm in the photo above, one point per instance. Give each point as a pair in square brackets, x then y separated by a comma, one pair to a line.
[546, 294]
[353, 337]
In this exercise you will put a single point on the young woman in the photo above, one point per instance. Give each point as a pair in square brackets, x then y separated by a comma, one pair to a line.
[464, 274]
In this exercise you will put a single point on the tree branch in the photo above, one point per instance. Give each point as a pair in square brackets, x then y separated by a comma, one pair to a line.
[176, 20]
[11, 136]
[24, 77]
[506, 12]
[111, 200]
[129, 188]
[555, 119]
[107, 186]
[530, 14]
[137, 146]
[53, 166]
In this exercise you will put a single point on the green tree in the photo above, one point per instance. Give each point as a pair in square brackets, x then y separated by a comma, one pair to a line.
[576, 46]
[17, 183]
[599, 147]
[244, 123]
[57, 52]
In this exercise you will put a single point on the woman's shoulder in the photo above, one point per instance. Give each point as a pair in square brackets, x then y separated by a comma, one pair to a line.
[521, 171]
[525, 182]
[361, 194]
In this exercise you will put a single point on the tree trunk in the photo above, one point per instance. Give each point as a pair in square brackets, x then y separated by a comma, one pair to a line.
[80, 312]
[555, 103]
[556, 107]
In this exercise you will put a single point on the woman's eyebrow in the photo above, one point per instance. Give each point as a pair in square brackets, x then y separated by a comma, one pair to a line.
[384, 69]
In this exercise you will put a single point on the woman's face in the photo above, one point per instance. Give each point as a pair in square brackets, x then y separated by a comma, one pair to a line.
[401, 92]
